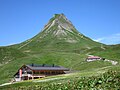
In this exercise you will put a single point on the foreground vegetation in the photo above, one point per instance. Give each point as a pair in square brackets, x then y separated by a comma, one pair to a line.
[106, 81]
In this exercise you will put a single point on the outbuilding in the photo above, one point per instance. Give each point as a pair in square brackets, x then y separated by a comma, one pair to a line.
[93, 58]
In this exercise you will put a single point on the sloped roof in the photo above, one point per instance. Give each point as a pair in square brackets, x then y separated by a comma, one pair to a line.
[93, 57]
[46, 67]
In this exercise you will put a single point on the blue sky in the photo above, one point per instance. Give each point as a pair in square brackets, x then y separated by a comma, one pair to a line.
[23, 19]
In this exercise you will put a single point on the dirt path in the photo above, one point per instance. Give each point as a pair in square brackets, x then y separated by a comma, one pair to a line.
[111, 61]
[5, 84]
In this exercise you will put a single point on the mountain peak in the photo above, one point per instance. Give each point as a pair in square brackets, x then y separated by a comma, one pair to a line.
[62, 18]
[58, 34]
[59, 25]
[59, 15]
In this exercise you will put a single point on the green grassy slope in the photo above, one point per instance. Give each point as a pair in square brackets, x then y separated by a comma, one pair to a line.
[59, 43]
[73, 61]
[111, 52]
[8, 54]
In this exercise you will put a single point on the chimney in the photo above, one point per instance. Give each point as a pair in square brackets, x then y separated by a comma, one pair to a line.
[32, 64]
[53, 65]
[43, 65]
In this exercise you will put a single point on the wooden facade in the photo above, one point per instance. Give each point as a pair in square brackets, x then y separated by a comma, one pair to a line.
[27, 72]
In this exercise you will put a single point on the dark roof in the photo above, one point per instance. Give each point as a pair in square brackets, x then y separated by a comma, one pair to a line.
[46, 67]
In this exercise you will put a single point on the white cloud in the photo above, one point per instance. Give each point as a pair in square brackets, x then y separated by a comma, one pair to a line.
[113, 39]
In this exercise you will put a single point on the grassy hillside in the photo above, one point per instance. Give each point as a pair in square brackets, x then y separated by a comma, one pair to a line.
[61, 44]
[111, 52]
[8, 54]
[74, 61]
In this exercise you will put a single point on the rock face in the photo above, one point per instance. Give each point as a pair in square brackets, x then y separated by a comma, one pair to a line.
[58, 34]
[59, 26]
[61, 23]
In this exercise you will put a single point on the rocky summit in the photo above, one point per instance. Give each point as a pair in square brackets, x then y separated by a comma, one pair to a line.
[62, 26]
